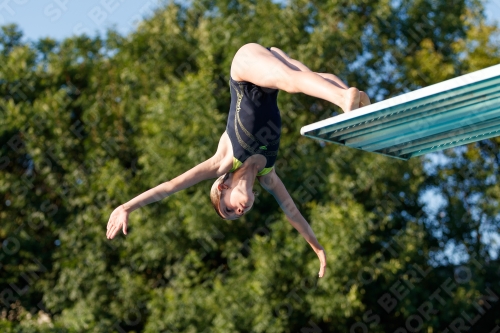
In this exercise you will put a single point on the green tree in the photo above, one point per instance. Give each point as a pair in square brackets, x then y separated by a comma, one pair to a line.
[88, 123]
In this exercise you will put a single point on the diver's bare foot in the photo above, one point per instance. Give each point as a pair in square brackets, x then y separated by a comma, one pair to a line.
[364, 100]
[351, 99]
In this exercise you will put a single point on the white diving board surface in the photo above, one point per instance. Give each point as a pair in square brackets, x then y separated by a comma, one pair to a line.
[451, 113]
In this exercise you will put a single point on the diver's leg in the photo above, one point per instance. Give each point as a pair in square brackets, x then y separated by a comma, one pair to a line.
[364, 100]
[333, 79]
[254, 63]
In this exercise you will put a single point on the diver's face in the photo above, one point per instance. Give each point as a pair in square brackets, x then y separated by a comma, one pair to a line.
[235, 202]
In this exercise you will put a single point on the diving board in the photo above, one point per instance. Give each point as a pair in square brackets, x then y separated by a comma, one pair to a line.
[455, 112]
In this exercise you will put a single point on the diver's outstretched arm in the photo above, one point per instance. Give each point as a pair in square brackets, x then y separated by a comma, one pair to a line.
[273, 184]
[203, 171]
[211, 168]
[119, 217]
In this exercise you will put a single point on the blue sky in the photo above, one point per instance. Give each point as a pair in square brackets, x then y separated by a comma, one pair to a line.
[62, 18]
[493, 10]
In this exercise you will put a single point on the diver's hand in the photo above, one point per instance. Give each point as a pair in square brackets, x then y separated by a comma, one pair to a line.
[118, 220]
[322, 259]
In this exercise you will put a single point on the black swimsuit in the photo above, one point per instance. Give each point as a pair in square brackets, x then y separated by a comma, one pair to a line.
[254, 123]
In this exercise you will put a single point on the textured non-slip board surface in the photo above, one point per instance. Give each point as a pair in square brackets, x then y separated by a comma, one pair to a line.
[448, 114]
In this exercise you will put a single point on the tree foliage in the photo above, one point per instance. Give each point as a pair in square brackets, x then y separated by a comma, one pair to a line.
[87, 123]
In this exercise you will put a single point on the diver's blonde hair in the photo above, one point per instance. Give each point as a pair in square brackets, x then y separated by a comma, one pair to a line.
[215, 194]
